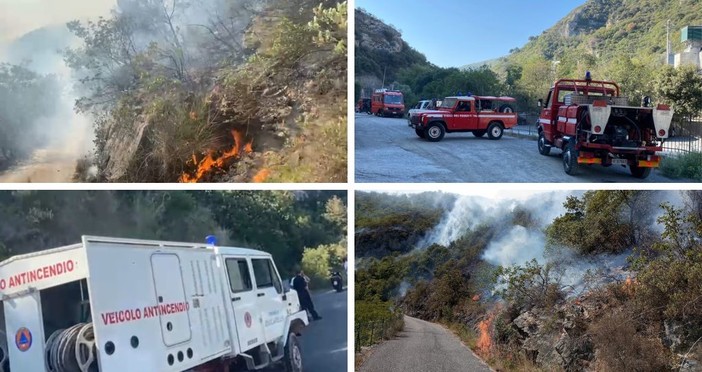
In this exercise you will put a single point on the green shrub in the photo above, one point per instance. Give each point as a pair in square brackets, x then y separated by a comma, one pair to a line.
[376, 321]
[688, 165]
[320, 261]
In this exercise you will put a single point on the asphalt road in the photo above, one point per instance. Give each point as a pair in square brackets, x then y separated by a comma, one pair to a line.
[423, 347]
[324, 342]
[387, 151]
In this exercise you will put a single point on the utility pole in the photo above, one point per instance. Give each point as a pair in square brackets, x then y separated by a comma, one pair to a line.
[384, 71]
[668, 47]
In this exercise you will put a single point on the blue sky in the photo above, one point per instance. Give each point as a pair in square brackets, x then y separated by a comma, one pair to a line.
[453, 33]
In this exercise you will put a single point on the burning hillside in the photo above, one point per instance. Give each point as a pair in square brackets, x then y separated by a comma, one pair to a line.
[559, 288]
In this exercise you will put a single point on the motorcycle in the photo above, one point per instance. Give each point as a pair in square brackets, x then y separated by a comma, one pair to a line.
[337, 281]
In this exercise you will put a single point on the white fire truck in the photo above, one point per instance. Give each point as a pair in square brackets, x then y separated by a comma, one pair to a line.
[114, 305]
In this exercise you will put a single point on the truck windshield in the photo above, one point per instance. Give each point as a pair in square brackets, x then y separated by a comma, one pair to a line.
[448, 103]
[393, 99]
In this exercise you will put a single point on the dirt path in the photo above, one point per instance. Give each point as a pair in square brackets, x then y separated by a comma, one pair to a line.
[46, 165]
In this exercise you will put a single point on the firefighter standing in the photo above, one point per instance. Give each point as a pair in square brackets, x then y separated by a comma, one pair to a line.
[299, 284]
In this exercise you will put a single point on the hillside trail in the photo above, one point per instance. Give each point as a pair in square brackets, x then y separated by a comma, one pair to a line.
[55, 163]
[421, 347]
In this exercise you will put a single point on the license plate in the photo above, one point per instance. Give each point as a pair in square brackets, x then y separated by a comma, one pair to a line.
[620, 162]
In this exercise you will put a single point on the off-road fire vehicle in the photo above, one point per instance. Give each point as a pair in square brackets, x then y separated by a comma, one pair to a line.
[592, 124]
[476, 114]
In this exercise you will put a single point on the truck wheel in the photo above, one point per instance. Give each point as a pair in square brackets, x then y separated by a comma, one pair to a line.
[640, 172]
[507, 109]
[570, 159]
[420, 132]
[544, 149]
[435, 132]
[495, 131]
[479, 133]
[292, 361]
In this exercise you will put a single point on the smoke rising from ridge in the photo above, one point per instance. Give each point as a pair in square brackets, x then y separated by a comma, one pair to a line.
[513, 244]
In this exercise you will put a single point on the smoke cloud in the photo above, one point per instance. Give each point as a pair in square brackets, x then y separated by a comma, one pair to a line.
[19, 17]
[517, 247]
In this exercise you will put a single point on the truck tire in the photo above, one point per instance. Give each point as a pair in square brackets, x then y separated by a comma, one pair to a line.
[639, 172]
[420, 132]
[570, 159]
[292, 361]
[435, 132]
[495, 131]
[506, 109]
[544, 148]
[479, 133]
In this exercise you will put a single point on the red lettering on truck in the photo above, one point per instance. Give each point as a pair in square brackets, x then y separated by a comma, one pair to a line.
[39, 274]
[130, 315]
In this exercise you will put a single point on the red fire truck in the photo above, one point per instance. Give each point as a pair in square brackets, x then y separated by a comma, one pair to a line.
[386, 102]
[476, 114]
[591, 123]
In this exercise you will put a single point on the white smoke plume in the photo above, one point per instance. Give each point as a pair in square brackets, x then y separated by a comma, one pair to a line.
[519, 246]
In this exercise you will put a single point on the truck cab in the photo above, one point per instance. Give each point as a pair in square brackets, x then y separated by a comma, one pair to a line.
[385, 102]
[110, 304]
[591, 123]
[476, 114]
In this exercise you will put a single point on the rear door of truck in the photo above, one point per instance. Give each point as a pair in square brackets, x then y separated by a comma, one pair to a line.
[246, 314]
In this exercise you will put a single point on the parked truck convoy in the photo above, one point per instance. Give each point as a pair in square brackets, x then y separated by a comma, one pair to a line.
[476, 114]
[592, 124]
[385, 102]
[114, 305]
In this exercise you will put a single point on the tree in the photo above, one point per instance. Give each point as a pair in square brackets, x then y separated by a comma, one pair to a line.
[335, 212]
[633, 76]
[681, 87]
[670, 271]
[26, 99]
[596, 223]
[529, 286]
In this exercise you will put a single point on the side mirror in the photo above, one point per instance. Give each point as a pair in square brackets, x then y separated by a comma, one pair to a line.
[540, 103]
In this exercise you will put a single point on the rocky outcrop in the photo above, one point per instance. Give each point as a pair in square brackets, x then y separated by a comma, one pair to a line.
[556, 342]
[372, 33]
[590, 17]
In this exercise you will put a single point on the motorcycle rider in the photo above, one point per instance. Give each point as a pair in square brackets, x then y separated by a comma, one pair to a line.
[336, 276]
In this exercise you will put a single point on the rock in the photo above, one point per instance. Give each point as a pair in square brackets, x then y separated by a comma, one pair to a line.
[690, 365]
[555, 342]
[672, 334]
[527, 323]
[376, 35]
[575, 352]
[121, 143]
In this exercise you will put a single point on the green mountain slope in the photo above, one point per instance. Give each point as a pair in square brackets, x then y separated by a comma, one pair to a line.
[621, 40]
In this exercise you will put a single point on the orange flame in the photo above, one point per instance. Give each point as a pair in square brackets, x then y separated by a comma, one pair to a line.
[485, 341]
[629, 285]
[262, 175]
[211, 162]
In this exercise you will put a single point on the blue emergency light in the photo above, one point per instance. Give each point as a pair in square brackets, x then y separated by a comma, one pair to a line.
[211, 239]
[588, 76]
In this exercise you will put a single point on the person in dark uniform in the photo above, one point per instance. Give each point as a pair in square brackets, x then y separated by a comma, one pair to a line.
[303, 292]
